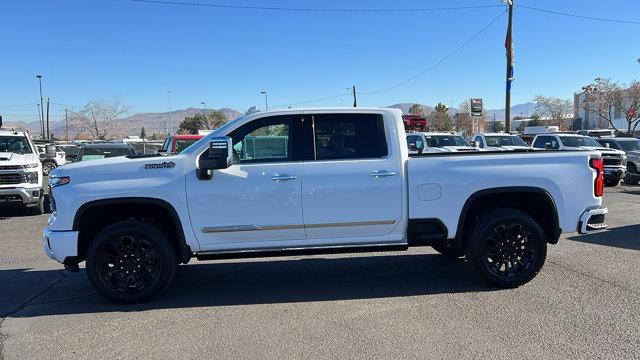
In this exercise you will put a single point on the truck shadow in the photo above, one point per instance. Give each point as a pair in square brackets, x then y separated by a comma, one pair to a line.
[271, 281]
[7, 212]
[626, 237]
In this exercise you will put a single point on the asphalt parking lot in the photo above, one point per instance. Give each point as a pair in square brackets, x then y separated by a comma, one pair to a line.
[415, 304]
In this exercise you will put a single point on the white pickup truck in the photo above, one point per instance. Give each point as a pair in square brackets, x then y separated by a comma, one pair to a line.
[315, 181]
[20, 172]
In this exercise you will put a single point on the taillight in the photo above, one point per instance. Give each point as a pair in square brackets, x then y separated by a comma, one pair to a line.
[598, 185]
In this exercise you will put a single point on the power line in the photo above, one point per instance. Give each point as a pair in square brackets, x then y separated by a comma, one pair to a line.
[439, 61]
[579, 16]
[297, 9]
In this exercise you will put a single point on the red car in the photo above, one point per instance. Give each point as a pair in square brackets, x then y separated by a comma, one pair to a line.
[174, 144]
[414, 121]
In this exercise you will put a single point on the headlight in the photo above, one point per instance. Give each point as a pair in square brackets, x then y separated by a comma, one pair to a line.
[32, 177]
[58, 181]
[31, 166]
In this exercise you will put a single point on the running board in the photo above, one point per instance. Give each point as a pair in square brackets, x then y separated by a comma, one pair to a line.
[242, 254]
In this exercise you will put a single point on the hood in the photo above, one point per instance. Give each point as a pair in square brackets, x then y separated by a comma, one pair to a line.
[7, 158]
[604, 150]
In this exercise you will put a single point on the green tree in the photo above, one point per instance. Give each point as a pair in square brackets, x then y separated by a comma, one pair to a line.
[416, 109]
[191, 124]
[439, 120]
[143, 134]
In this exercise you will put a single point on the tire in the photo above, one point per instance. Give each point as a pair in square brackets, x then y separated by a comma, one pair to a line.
[493, 245]
[38, 209]
[48, 167]
[447, 249]
[611, 183]
[146, 257]
[632, 177]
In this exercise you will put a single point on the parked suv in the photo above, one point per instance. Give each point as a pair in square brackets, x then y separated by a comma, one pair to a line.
[420, 142]
[631, 147]
[499, 141]
[615, 161]
[20, 172]
[95, 151]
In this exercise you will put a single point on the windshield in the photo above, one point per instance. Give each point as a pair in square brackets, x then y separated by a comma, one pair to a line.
[505, 140]
[101, 153]
[630, 145]
[578, 141]
[14, 144]
[445, 140]
[182, 144]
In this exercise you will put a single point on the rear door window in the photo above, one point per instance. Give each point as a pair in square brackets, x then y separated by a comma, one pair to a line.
[349, 136]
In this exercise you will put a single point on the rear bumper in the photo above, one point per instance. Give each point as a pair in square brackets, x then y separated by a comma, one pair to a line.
[20, 196]
[60, 245]
[592, 219]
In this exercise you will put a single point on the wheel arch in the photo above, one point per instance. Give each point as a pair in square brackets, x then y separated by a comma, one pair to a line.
[522, 198]
[97, 207]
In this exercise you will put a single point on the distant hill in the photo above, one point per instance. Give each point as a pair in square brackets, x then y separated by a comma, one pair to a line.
[132, 125]
[525, 110]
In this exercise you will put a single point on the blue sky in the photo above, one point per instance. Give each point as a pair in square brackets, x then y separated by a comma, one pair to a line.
[225, 57]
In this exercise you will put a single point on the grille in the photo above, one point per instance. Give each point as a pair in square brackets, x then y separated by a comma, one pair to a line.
[12, 178]
[10, 167]
[612, 161]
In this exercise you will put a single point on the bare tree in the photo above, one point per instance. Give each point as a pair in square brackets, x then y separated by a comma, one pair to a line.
[98, 118]
[559, 110]
[467, 124]
[630, 106]
[602, 98]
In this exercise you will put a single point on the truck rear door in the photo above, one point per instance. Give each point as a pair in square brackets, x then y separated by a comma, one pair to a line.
[351, 186]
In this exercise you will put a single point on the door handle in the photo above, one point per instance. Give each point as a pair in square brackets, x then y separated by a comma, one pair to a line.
[283, 177]
[382, 173]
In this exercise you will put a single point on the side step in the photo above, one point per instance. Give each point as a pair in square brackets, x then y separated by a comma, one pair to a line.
[242, 254]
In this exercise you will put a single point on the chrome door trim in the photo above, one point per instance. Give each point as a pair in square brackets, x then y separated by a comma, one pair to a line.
[293, 248]
[234, 228]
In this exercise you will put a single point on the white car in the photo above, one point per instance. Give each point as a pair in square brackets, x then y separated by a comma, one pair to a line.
[499, 142]
[615, 161]
[310, 181]
[433, 142]
[20, 172]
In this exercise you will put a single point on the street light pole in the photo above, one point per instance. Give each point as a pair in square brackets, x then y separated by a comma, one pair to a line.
[266, 103]
[204, 105]
[41, 107]
[509, 77]
[48, 132]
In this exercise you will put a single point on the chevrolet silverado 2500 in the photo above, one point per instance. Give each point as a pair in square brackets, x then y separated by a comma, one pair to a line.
[317, 181]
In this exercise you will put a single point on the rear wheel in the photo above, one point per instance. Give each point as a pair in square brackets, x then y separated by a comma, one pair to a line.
[130, 261]
[507, 248]
[632, 177]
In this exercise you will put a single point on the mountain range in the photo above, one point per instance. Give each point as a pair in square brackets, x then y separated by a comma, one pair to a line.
[159, 122]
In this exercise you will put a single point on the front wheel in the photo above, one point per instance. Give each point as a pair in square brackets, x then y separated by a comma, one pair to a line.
[130, 261]
[48, 167]
[632, 177]
[507, 247]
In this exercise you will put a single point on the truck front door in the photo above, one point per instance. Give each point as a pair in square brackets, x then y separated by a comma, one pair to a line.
[257, 200]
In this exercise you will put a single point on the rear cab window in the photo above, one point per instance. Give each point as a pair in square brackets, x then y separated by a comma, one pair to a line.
[348, 136]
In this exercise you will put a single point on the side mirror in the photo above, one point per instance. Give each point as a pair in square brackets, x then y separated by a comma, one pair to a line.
[50, 150]
[606, 145]
[548, 146]
[413, 146]
[219, 156]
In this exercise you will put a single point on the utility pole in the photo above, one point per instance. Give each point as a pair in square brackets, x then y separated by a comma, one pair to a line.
[509, 45]
[355, 100]
[39, 77]
[66, 124]
[204, 105]
[170, 118]
[48, 132]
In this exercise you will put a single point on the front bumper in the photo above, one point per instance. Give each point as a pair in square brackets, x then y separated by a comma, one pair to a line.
[592, 219]
[60, 245]
[614, 173]
[20, 196]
